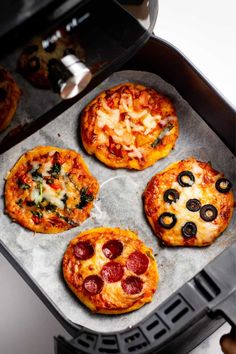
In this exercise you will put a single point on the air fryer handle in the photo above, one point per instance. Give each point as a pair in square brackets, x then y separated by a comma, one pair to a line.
[233, 332]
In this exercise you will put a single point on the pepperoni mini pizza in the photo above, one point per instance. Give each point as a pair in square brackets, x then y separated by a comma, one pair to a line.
[129, 126]
[9, 98]
[50, 190]
[110, 270]
[189, 203]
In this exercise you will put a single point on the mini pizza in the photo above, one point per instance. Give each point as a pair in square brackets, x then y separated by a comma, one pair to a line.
[110, 270]
[41, 66]
[9, 98]
[189, 203]
[129, 126]
[50, 190]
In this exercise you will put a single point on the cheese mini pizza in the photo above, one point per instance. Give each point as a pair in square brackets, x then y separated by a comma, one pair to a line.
[189, 203]
[129, 126]
[110, 270]
[9, 98]
[50, 190]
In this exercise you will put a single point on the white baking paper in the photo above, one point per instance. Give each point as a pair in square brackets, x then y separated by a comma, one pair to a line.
[119, 204]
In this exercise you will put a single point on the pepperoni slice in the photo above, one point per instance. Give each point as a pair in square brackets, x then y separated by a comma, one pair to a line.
[132, 285]
[112, 272]
[93, 284]
[137, 262]
[112, 249]
[83, 250]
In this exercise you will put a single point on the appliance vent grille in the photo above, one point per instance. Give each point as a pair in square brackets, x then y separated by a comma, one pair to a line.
[176, 310]
[87, 340]
[206, 286]
[108, 344]
[134, 340]
[154, 328]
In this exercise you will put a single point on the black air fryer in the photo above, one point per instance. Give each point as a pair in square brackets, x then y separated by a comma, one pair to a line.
[113, 39]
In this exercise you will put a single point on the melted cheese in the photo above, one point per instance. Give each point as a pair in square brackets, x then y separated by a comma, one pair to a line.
[53, 196]
[43, 190]
[194, 192]
[121, 131]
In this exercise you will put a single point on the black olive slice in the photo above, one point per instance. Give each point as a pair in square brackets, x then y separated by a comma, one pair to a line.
[33, 64]
[3, 94]
[223, 185]
[50, 48]
[30, 49]
[208, 212]
[189, 229]
[167, 220]
[186, 179]
[171, 196]
[193, 204]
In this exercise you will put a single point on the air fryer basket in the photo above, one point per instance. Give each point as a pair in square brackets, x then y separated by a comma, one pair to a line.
[201, 305]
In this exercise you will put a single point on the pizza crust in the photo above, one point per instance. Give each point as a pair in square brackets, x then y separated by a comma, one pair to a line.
[203, 189]
[50, 190]
[112, 299]
[129, 126]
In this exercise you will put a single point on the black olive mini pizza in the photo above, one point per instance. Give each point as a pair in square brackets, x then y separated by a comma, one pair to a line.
[50, 190]
[110, 270]
[37, 63]
[129, 126]
[9, 98]
[189, 203]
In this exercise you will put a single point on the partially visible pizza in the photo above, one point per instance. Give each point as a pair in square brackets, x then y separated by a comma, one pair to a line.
[110, 270]
[129, 126]
[50, 190]
[9, 98]
[189, 203]
[42, 65]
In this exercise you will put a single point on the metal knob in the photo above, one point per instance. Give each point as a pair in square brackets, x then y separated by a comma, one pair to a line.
[69, 76]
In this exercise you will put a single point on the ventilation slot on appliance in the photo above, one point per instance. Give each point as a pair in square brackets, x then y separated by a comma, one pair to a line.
[134, 340]
[172, 306]
[83, 343]
[160, 334]
[108, 344]
[180, 315]
[176, 310]
[154, 328]
[152, 325]
[86, 340]
[137, 347]
[206, 286]
[132, 337]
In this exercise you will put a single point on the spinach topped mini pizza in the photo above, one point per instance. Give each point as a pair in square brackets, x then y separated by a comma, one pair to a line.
[50, 190]
[110, 270]
[189, 203]
[129, 126]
